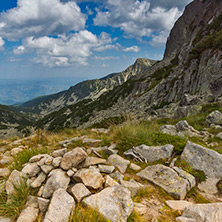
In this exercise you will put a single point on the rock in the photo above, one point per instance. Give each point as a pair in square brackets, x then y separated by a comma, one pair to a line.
[184, 129]
[117, 176]
[188, 99]
[48, 160]
[169, 129]
[4, 172]
[70, 173]
[57, 179]
[56, 162]
[202, 213]
[132, 186]
[37, 158]
[91, 141]
[209, 185]
[96, 161]
[15, 151]
[178, 204]
[106, 169]
[79, 191]
[154, 153]
[59, 153]
[135, 167]
[60, 207]
[110, 182]
[114, 203]
[119, 162]
[14, 179]
[43, 204]
[90, 177]
[31, 211]
[39, 180]
[214, 118]
[31, 170]
[166, 178]
[39, 194]
[5, 219]
[219, 135]
[73, 158]
[69, 141]
[100, 130]
[46, 169]
[201, 158]
[5, 159]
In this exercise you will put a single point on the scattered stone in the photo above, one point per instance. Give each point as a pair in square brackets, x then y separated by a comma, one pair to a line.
[14, 179]
[5, 159]
[80, 191]
[135, 167]
[101, 130]
[209, 185]
[117, 176]
[202, 213]
[15, 151]
[167, 179]
[91, 141]
[5, 219]
[48, 160]
[60, 207]
[43, 204]
[111, 150]
[57, 179]
[46, 169]
[106, 169]
[90, 177]
[39, 180]
[4, 172]
[56, 162]
[39, 194]
[69, 141]
[96, 161]
[119, 162]
[59, 153]
[132, 186]
[178, 204]
[70, 173]
[110, 182]
[169, 129]
[214, 118]
[37, 158]
[31, 210]
[219, 135]
[73, 158]
[31, 170]
[114, 203]
[204, 159]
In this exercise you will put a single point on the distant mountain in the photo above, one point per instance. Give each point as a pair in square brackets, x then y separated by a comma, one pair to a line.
[189, 76]
[90, 89]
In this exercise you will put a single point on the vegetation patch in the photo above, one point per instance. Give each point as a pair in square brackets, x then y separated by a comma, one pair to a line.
[197, 197]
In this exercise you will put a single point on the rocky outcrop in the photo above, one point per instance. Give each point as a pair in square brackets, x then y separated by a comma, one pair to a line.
[168, 179]
[114, 203]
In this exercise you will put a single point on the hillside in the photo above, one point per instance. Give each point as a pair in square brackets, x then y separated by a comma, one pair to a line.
[90, 89]
[188, 76]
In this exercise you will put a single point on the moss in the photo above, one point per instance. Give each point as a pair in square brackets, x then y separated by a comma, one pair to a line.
[197, 197]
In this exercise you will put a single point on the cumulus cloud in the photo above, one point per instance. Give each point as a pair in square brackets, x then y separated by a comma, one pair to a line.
[132, 49]
[2, 43]
[41, 17]
[64, 50]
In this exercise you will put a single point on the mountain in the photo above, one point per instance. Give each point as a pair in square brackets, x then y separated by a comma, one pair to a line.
[188, 76]
[90, 89]
[13, 122]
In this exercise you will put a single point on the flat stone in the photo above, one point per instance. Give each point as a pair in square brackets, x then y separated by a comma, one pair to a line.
[31, 210]
[96, 161]
[79, 191]
[114, 203]
[73, 158]
[90, 177]
[169, 129]
[48, 160]
[39, 180]
[43, 204]
[201, 158]
[69, 141]
[15, 151]
[91, 141]
[106, 169]
[214, 118]
[100, 130]
[5, 159]
[132, 186]
[135, 167]
[4, 172]
[119, 162]
[209, 185]
[57, 179]
[117, 176]
[37, 158]
[46, 169]
[202, 213]
[109, 181]
[167, 179]
[31, 170]
[70, 173]
[59, 153]
[60, 207]
[178, 204]
[5, 219]
[14, 179]
[56, 162]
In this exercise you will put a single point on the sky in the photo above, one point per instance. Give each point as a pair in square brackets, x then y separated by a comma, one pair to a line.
[80, 39]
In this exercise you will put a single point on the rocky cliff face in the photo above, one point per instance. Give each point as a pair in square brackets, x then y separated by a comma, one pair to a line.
[188, 76]
[90, 89]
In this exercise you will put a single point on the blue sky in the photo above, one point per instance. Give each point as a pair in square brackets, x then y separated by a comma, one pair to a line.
[79, 39]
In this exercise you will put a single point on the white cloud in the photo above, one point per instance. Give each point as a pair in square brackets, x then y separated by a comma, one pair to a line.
[2, 43]
[159, 40]
[41, 18]
[132, 49]
[64, 51]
